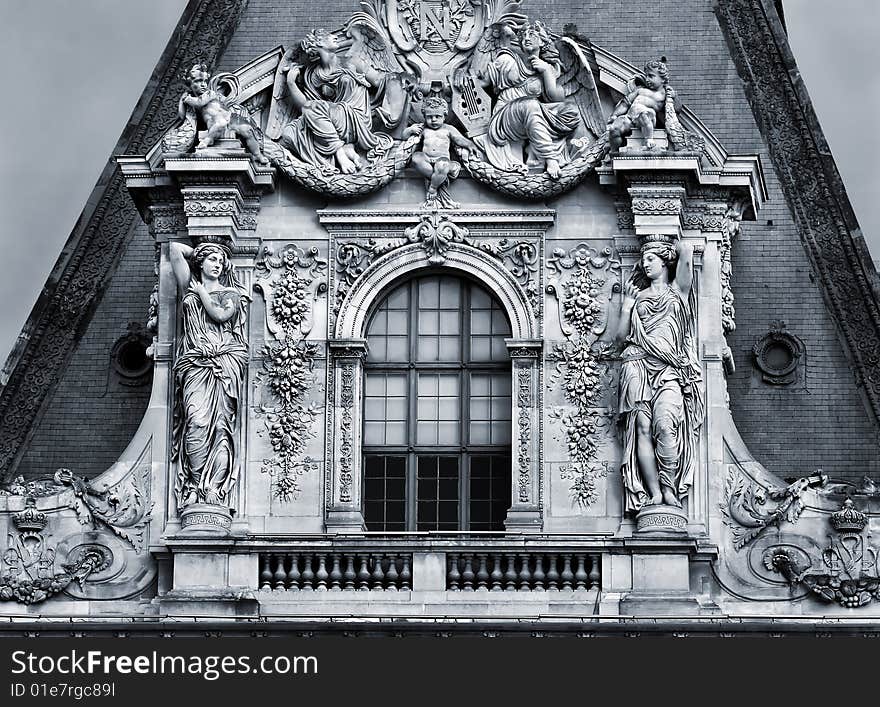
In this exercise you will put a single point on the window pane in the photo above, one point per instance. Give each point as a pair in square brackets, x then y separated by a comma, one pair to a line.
[384, 491]
[385, 409]
[388, 328]
[437, 501]
[489, 487]
[490, 408]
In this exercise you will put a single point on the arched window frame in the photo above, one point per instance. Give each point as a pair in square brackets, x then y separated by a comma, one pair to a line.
[347, 348]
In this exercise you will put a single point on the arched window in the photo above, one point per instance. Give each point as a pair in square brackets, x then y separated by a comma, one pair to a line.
[437, 409]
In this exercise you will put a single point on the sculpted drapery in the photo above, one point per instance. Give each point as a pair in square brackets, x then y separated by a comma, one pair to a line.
[520, 116]
[208, 374]
[661, 400]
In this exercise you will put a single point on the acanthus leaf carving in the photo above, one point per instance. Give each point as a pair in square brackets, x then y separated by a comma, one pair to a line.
[744, 499]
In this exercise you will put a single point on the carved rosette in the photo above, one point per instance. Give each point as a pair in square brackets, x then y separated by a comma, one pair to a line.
[580, 287]
[291, 282]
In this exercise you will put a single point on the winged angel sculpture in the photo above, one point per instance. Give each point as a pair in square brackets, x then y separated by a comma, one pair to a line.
[329, 93]
[546, 112]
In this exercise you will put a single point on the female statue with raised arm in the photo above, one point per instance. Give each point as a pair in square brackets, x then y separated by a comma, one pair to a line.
[209, 369]
[661, 397]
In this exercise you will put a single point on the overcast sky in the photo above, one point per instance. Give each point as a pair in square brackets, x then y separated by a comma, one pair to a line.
[72, 70]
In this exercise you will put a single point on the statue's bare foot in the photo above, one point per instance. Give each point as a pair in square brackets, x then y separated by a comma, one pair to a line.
[650, 145]
[656, 500]
[346, 166]
[352, 154]
[669, 498]
[553, 169]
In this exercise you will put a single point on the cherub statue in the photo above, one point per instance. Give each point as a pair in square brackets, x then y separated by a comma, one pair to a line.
[325, 99]
[212, 108]
[647, 96]
[433, 161]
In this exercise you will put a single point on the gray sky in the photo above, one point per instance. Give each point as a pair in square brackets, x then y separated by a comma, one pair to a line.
[74, 69]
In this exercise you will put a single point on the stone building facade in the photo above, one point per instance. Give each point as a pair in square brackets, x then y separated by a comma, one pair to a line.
[466, 310]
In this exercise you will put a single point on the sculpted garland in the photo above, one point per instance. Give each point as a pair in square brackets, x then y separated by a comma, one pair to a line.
[583, 319]
[290, 281]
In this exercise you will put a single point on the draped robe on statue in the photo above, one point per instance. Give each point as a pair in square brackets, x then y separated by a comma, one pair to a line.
[338, 113]
[661, 377]
[520, 116]
[209, 371]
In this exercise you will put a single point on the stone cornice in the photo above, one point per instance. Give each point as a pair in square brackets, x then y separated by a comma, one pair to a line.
[809, 179]
[91, 253]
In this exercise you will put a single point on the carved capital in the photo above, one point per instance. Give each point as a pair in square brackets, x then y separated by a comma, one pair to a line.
[348, 348]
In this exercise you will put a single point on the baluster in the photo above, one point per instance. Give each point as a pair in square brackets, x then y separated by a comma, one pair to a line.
[538, 575]
[363, 575]
[510, 574]
[266, 574]
[452, 576]
[293, 576]
[280, 574]
[405, 574]
[497, 574]
[580, 576]
[468, 575]
[308, 576]
[321, 574]
[595, 571]
[378, 576]
[567, 575]
[552, 573]
[391, 576]
[524, 574]
[482, 573]
[335, 574]
[349, 575]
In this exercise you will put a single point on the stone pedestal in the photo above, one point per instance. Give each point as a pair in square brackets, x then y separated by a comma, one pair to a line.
[661, 520]
[205, 519]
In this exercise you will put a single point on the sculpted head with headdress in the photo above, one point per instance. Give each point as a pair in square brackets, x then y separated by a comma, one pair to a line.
[657, 262]
[212, 262]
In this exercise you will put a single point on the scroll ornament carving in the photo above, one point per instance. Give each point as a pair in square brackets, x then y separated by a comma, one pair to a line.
[848, 574]
[123, 508]
[291, 282]
[744, 501]
[583, 319]
[28, 573]
[436, 233]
